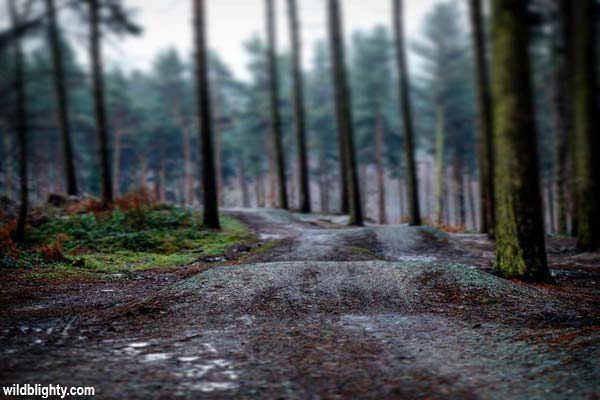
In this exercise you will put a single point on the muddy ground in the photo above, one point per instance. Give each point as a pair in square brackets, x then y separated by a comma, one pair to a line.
[318, 310]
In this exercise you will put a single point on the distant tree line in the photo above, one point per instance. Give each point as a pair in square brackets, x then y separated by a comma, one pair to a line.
[496, 131]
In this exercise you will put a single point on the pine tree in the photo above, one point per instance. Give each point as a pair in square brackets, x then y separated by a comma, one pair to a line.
[406, 111]
[21, 122]
[106, 189]
[211, 211]
[61, 98]
[520, 248]
[276, 132]
[485, 129]
[300, 121]
[344, 111]
[586, 153]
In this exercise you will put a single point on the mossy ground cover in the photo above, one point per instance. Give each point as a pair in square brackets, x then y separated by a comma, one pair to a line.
[123, 241]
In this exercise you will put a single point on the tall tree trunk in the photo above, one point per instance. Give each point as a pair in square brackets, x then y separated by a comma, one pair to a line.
[188, 178]
[406, 111]
[275, 114]
[117, 160]
[550, 206]
[363, 173]
[471, 199]
[486, 128]
[520, 248]
[300, 120]
[219, 148]
[260, 184]
[106, 193]
[461, 217]
[271, 166]
[209, 184]
[401, 196]
[382, 212]
[586, 142]
[21, 122]
[243, 182]
[162, 193]
[344, 111]
[323, 177]
[8, 162]
[61, 98]
[439, 164]
[560, 101]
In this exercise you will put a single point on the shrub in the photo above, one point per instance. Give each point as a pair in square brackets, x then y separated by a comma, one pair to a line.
[137, 200]
[54, 252]
[8, 247]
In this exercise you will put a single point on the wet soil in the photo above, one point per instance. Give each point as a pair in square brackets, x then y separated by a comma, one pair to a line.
[318, 310]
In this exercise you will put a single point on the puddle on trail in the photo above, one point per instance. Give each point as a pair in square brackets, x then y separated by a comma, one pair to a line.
[417, 258]
[139, 345]
[270, 236]
[156, 357]
[194, 365]
[208, 387]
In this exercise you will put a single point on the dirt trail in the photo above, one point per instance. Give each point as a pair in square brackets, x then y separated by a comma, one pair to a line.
[326, 311]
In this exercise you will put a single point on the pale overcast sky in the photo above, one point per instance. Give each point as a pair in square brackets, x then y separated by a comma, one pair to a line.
[231, 22]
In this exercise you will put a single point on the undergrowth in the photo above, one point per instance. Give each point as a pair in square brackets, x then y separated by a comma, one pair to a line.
[136, 235]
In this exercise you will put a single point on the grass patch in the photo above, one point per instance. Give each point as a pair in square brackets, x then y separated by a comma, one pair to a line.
[118, 241]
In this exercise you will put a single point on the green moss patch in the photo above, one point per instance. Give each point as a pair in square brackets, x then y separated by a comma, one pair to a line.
[122, 241]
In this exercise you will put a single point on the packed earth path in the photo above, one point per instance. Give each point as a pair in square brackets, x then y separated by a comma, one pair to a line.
[315, 309]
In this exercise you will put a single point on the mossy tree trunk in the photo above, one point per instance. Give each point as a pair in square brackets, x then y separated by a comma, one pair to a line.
[282, 199]
[344, 111]
[61, 98]
[106, 192]
[586, 154]
[520, 248]
[21, 122]
[485, 132]
[406, 111]
[298, 100]
[209, 181]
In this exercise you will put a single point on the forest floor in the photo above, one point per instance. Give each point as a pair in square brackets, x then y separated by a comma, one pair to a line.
[312, 309]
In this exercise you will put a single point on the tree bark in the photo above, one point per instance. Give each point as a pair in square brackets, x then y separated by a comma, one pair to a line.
[520, 247]
[261, 191]
[486, 128]
[299, 110]
[21, 122]
[560, 101]
[162, 175]
[550, 206]
[344, 111]
[219, 148]
[323, 178]
[209, 184]
[275, 114]
[106, 193]
[406, 111]
[439, 164]
[61, 98]
[243, 182]
[468, 184]
[117, 160]
[461, 216]
[188, 179]
[382, 212]
[8, 160]
[586, 154]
